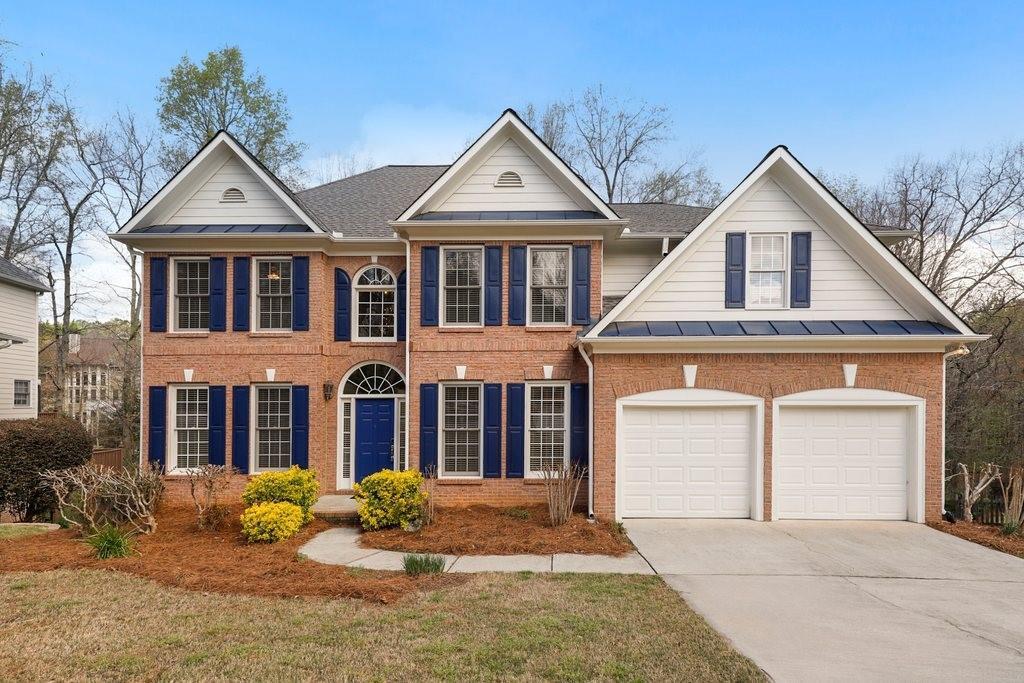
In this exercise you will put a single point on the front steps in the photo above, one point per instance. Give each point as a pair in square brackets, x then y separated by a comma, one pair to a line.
[337, 508]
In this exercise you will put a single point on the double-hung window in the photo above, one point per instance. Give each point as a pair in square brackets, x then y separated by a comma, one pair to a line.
[461, 433]
[463, 282]
[549, 286]
[191, 427]
[766, 274]
[192, 294]
[547, 422]
[375, 304]
[273, 427]
[22, 392]
[274, 294]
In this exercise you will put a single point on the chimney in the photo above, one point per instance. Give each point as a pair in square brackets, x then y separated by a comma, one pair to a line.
[74, 342]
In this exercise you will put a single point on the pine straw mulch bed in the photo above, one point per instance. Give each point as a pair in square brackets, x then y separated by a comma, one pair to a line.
[486, 530]
[218, 561]
[984, 534]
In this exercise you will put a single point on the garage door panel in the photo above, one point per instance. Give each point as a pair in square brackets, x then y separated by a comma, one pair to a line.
[842, 462]
[686, 462]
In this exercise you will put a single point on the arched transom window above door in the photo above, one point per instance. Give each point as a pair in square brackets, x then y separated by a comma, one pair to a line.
[376, 379]
[375, 304]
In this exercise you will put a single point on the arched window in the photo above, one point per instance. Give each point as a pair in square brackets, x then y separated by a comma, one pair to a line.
[374, 295]
[377, 379]
[232, 194]
[509, 179]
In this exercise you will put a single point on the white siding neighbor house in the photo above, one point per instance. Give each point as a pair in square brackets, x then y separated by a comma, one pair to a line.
[19, 342]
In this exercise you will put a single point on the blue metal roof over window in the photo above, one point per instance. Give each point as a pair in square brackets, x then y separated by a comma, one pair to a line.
[509, 216]
[220, 229]
[758, 328]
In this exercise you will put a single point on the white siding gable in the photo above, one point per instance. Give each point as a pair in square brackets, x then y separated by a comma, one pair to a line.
[626, 263]
[205, 205]
[18, 316]
[694, 287]
[538, 193]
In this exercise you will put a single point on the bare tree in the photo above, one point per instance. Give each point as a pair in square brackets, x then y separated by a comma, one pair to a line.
[553, 127]
[336, 166]
[687, 183]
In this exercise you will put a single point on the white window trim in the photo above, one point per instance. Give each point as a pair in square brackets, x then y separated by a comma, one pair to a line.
[254, 289]
[785, 235]
[344, 454]
[531, 474]
[254, 427]
[442, 321]
[172, 304]
[441, 474]
[567, 248]
[171, 466]
[14, 394]
[356, 289]
[400, 406]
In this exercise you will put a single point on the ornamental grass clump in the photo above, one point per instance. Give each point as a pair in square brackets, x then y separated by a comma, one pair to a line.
[423, 564]
[271, 522]
[110, 542]
[391, 499]
[295, 485]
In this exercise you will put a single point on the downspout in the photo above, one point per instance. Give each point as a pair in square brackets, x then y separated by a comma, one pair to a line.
[408, 316]
[590, 430]
[961, 350]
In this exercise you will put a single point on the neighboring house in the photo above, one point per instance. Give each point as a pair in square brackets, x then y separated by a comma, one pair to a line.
[778, 362]
[19, 332]
[92, 384]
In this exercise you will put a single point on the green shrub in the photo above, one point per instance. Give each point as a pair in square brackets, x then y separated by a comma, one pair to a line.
[110, 542]
[1009, 528]
[517, 513]
[295, 485]
[27, 449]
[271, 522]
[423, 564]
[388, 499]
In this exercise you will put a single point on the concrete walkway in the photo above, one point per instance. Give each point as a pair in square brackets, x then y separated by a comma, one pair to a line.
[813, 601]
[341, 546]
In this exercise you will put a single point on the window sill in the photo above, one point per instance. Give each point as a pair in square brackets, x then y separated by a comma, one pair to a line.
[182, 334]
[457, 481]
[368, 342]
[271, 334]
[550, 328]
[459, 330]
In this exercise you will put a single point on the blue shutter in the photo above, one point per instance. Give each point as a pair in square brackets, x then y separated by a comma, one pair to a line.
[216, 424]
[517, 286]
[300, 426]
[515, 437]
[800, 285]
[218, 293]
[492, 430]
[429, 274]
[300, 293]
[428, 427]
[240, 297]
[492, 286]
[400, 317]
[158, 425]
[158, 294]
[342, 305]
[240, 428]
[578, 424]
[735, 269]
[581, 284]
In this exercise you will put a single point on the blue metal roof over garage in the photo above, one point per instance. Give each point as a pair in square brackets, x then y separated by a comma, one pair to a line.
[746, 328]
[219, 229]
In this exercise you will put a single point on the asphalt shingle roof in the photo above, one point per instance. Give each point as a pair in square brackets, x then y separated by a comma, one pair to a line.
[14, 275]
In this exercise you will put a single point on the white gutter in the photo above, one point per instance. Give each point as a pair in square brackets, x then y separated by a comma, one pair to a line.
[590, 431]
[960, 351]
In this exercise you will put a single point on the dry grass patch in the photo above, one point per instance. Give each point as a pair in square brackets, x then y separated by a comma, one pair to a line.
[108, 625]
[10, 532]
[984, 534]
[218, 561]
[485, 530]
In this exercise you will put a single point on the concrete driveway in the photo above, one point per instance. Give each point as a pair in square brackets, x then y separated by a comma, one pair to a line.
[847, 600]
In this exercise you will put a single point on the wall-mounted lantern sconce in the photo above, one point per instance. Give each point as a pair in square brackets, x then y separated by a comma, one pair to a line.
[328, 390]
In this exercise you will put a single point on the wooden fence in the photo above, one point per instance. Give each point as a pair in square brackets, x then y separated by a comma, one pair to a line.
[108, 457]
[988, 510]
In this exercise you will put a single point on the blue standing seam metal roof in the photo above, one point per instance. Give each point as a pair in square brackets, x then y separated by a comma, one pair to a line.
[219, 229]
[764, 328]
[508, 216]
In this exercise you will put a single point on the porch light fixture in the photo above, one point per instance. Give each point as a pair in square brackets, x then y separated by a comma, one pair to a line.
[328, 390]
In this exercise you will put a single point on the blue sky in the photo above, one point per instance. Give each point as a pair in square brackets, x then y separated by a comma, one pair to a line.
[850, 88]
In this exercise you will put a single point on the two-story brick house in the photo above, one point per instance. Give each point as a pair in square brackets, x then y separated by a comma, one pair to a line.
[485, 320]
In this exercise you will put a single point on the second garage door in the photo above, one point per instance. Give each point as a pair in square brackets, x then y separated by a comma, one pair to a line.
[841, 463]
[685, 462]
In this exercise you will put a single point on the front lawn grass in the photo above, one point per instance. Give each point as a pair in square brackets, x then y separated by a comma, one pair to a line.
[9, 532]
[92, 624]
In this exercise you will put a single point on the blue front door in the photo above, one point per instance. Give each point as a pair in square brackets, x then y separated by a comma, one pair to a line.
[375, 435]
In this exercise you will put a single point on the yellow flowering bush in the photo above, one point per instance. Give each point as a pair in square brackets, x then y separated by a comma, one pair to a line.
[296, 486]
[271, 522]
[388, 498]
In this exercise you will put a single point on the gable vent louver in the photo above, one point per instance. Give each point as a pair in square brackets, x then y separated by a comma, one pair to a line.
[509, 179]
[232, 194]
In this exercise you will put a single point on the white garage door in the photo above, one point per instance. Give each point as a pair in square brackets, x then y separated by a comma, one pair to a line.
[841, 463]
[685, 462]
